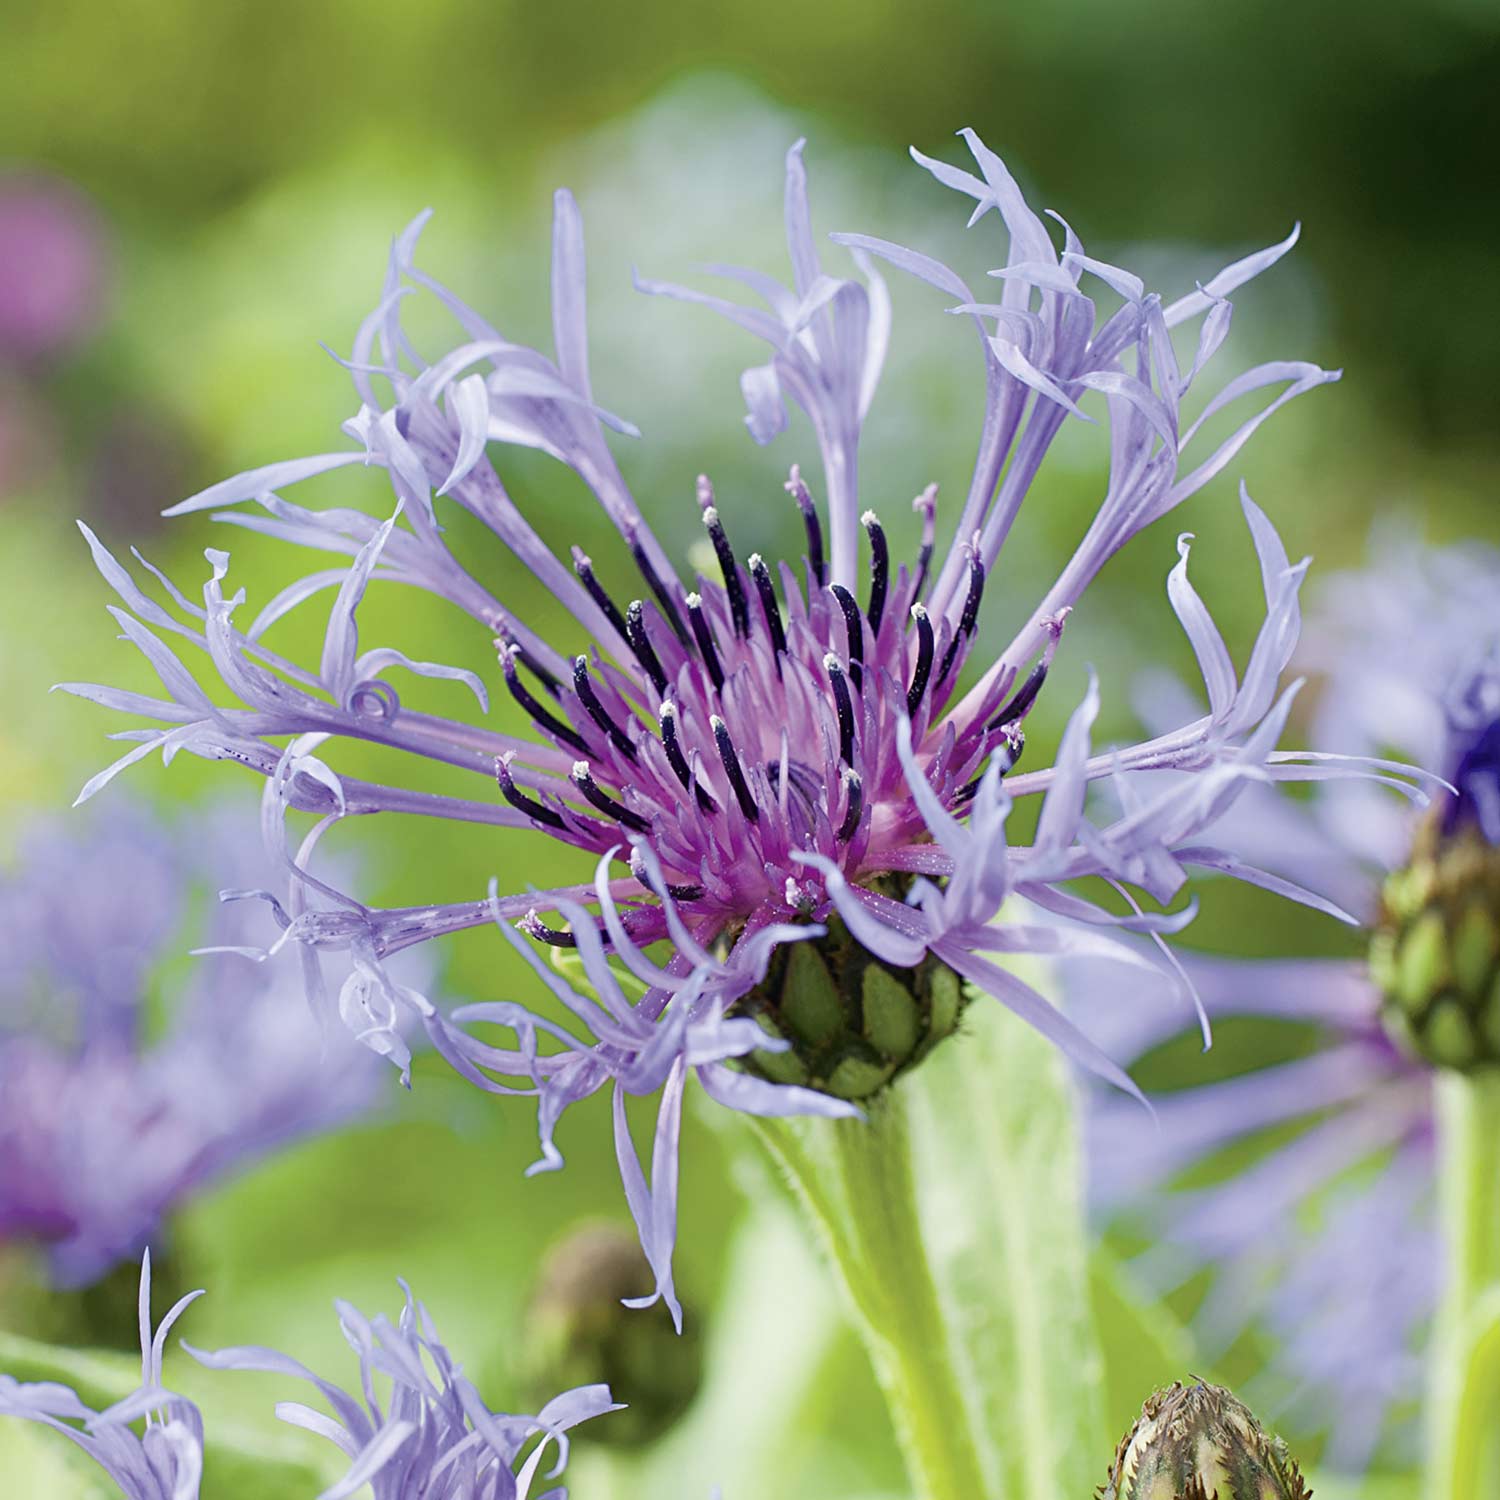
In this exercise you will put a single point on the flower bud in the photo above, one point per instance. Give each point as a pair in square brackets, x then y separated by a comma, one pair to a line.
[1436, 951]
[579, 1333]
[1198, 1442]
[852, 1022]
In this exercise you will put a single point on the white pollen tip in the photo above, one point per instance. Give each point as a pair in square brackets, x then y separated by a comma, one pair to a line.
[832, 663]
[710, 513]
[869, 519]
[756, 561]
[919, 611]
[716, 723]
[851, 776]
[580, 770]
[668, 710]
[693, 601]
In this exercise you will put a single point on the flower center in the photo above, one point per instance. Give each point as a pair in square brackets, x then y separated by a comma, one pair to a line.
[739, 728]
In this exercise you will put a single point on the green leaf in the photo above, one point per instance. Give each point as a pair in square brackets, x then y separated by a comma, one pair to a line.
[1000, 1184]
[953, 1217]
[34, 1461]
[99, 1376]
[1144, 1344]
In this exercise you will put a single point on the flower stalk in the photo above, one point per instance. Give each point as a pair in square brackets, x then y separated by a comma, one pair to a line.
[953, 1221]
[1464, 1390]
[854, 1179]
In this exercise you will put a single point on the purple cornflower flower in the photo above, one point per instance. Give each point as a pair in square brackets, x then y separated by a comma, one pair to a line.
[109, 1119]
[165, 1462]
[775, 762]
[431, 1437]
[1409, 650]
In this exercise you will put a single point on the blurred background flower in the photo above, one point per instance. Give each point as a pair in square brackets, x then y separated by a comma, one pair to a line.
[132, 1076]
[1287, 1193]
[241, 172]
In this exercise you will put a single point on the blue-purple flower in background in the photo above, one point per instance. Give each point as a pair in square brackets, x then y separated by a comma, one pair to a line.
[121, 1097]
[165, 1460]
[774, 767]
[430, 1436]
[1328, 1241]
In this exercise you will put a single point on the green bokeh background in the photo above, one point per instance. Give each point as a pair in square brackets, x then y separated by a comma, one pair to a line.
[250, 165]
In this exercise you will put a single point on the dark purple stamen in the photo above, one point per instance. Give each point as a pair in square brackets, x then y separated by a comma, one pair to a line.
[1025, 697]
[521, 802]
[527, 660]
[659, 589]
[970, 616]
[799, 492]
[705, 638]
[678, 761]
[584, 687]
[769, 607]
[880, 570]
[854, 630]
[733, 770]
[584, 567]
[738, 605]
[854, 790]
[640, 643]
[926, 643]
[676, 892]
[583, 779]
[1007, 754]
[544, 720]
[844, 705]
[536, 929]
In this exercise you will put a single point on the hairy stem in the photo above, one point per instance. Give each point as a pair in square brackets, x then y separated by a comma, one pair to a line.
[855, 1181]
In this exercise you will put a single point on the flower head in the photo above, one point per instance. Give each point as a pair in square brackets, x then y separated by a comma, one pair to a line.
[753, 755]
[1407, 651]
[107, 1120]
[165, 1461]
[429, 1436]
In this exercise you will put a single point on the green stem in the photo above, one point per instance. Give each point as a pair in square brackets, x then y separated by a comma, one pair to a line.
[855, 1179]
[1464, 1398]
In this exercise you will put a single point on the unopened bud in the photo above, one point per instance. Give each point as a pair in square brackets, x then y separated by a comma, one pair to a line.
[1198, 1442]
[1435, 955]
[578, 1333]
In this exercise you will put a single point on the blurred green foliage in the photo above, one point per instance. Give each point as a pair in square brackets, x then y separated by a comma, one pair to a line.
[252, 163]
